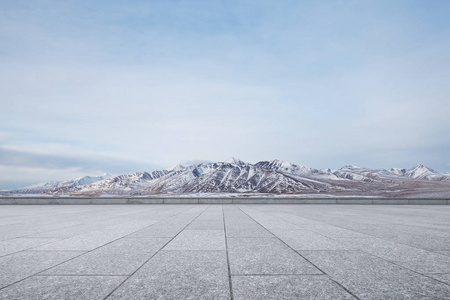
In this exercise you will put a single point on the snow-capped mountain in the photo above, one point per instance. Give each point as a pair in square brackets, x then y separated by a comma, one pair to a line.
[288, 168]
[176, 168]
[234, 176]
[52, 185]
[423, 172]
[397, 171]
[276, 176]
[231, 176]
[417, 172]
[234, 161]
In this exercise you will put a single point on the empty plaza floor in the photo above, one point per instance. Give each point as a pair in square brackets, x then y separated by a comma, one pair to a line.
[225, 252]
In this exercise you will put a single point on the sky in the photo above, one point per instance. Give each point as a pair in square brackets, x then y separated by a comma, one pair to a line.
[88, 87]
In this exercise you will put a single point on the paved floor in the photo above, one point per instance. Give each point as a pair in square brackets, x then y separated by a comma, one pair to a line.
[225, 251]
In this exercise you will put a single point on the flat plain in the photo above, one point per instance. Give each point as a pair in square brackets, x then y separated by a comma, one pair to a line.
[224, 252]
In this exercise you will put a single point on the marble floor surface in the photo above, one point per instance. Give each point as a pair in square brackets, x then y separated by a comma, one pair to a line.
[224, 252]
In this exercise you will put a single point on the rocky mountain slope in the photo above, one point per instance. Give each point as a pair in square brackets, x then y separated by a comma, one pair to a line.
[61, 185]
[276, 177]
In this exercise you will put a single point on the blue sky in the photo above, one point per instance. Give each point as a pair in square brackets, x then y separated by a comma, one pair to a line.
[88, 87]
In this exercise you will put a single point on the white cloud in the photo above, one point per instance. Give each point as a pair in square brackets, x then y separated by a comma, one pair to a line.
[292, 81]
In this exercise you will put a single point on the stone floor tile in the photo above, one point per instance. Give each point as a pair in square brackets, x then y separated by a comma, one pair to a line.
[92, 240]
[160, 230]
[265, 256]
[206, 225]
[335, 232]
[308, 240]
[121, 257]
[198, 240]
[66, 232]
[251, 229]
[20, 244]
[179, 275]
[424, 242]
[370, 277]
[287, 287]
[441, 277]
[84, 242]
[62, 287]
[20, 265]
[416, 259]
[444, 252]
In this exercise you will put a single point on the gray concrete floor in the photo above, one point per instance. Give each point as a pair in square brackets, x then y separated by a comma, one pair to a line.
[225, 252]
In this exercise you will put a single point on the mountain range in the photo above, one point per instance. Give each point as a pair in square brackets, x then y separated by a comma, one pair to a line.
[273, 177]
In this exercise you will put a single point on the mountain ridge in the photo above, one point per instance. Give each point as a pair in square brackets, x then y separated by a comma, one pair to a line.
[273, 177]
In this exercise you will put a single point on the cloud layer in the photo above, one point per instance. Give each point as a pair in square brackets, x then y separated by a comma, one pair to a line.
[109, 86]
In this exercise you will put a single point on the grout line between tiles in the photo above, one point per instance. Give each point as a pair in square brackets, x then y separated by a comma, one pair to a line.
[348, 291]
[1, 288]
[117, 287]
[228, 255]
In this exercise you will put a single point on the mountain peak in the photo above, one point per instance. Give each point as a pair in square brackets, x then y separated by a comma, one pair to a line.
[350, 167]
[176, 168]
[281, 163]
[94, 178]
[236, 176]
[234, 161]
[422, 167]
[397, 171]
[286, 167]
[420, 171]
[80, 181]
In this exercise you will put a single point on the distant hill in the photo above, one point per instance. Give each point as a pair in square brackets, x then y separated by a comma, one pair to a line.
[275, 177]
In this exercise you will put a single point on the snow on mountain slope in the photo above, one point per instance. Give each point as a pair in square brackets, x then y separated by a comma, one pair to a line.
[286, 167]
[235, 161]
[175, 183]
[421, 172]
[51, 185]
[369, 175]
[352, 172]
[86, 180]
[177, 168]
[234, 178]
[397, 171]
[252, 178]
[124, 182]
[41, 186]
[293, 170]
[237, 176]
